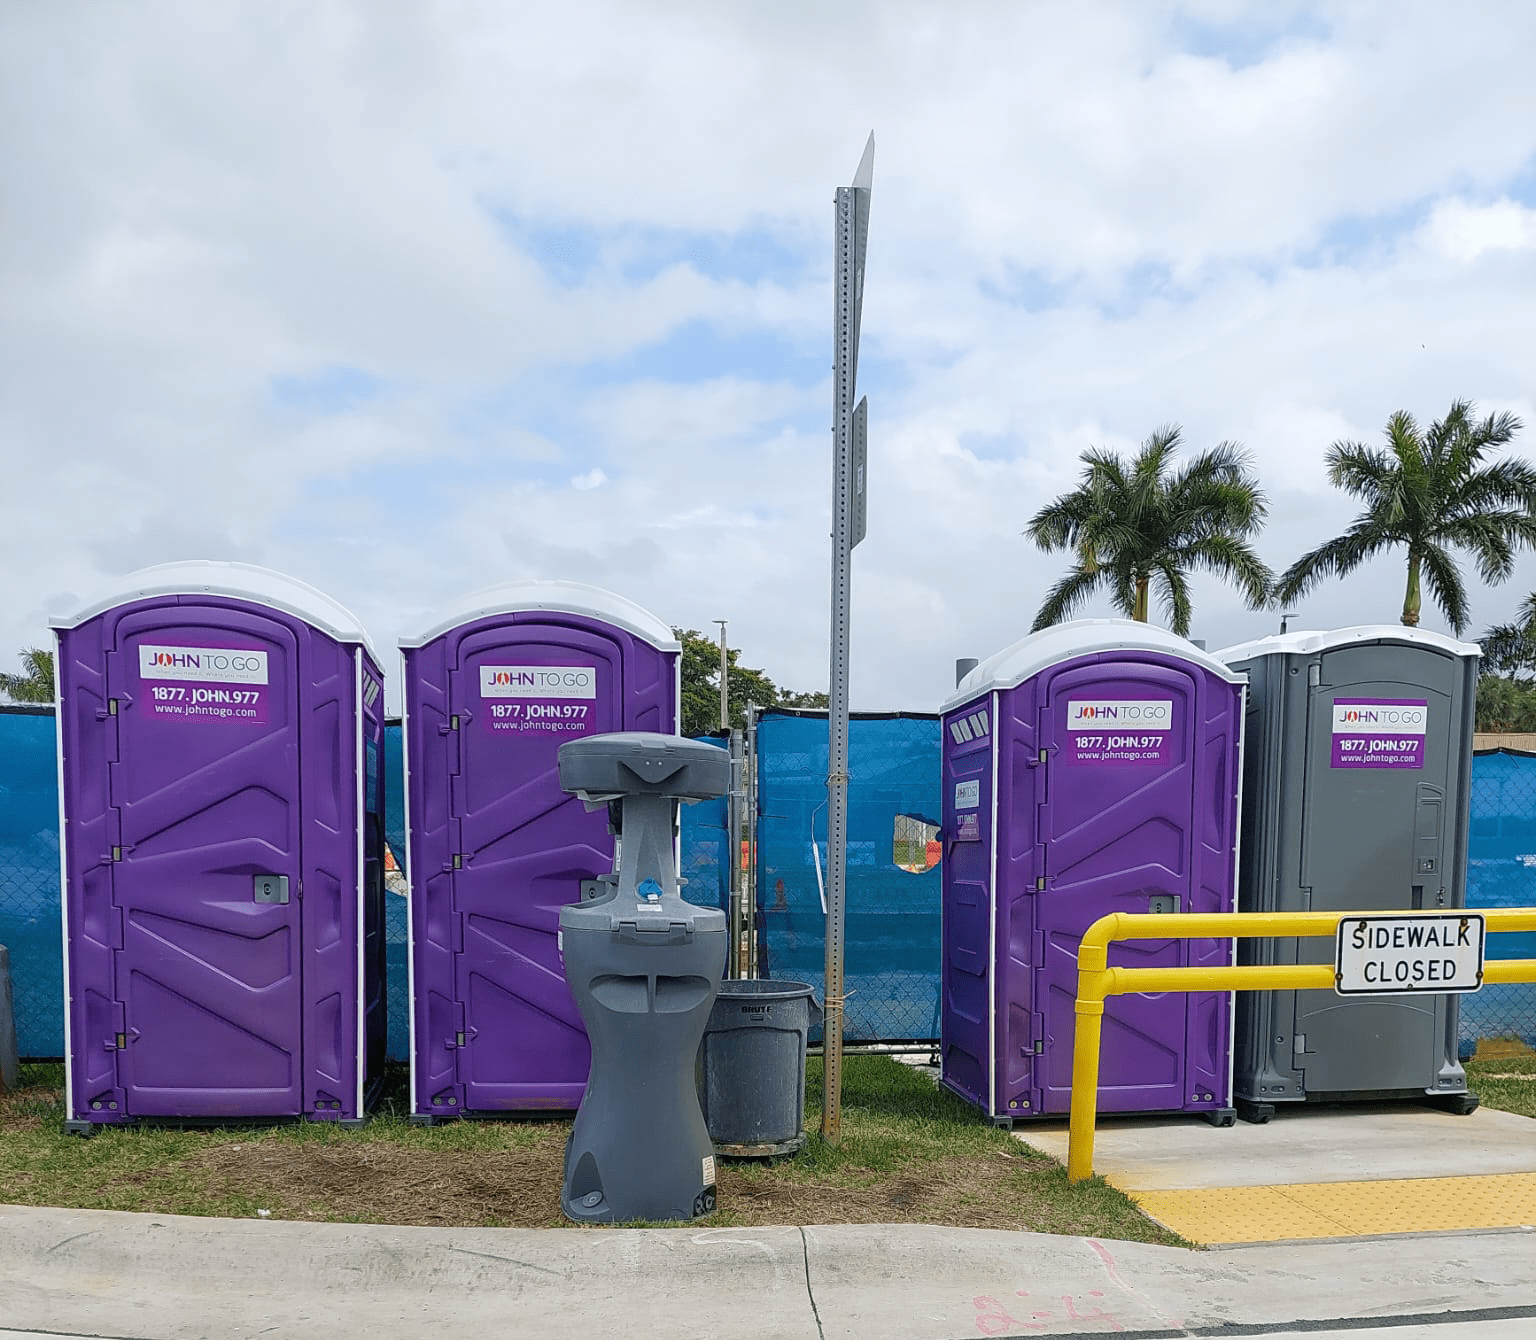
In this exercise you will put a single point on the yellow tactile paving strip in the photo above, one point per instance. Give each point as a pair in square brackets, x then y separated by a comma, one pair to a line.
[1233, 1214]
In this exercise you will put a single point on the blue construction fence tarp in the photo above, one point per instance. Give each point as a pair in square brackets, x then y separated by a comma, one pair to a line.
[1501, 872]
[891, 918]
[29, 878]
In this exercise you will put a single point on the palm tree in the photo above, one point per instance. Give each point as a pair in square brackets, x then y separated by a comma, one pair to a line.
[1509, 648]
[1506, 696]
[36, 686]
[1131, 525]
[1428, 491]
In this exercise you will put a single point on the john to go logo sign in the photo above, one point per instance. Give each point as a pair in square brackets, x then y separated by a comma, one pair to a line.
[538, 681]
[222, 665]
[1140, 714]
[1379, 733]
[1383, 717]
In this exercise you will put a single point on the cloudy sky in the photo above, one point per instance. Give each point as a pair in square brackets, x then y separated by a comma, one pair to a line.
[409, 298]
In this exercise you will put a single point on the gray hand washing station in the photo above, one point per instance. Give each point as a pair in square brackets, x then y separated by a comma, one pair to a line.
[644, 967]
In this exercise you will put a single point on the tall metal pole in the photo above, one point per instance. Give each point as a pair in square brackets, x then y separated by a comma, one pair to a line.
[848, 513]
[750, 882]
[733, 807]
[725, 713]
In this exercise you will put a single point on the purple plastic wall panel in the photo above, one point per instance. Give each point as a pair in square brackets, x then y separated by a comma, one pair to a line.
[333, 1046]
[1019, 948]
[1143, 808]
[497, 848]
[207, 741]
[965, 965]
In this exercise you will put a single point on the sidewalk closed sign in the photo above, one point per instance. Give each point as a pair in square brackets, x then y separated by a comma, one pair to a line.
[1429, 954]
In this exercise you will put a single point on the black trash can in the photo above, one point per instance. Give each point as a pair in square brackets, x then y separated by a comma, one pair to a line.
[752, 1067]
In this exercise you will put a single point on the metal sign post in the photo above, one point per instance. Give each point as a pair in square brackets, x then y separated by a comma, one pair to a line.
[735, 803]
[750, 872]
[849, 428]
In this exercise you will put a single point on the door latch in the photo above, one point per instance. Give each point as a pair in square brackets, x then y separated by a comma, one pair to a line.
[270, 889]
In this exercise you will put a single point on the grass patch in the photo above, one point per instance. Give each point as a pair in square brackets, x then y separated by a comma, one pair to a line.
[909, 1152]
[912, 1152]
[1504, 1081]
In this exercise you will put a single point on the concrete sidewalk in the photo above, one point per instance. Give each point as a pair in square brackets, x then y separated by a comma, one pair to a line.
[102, 1273]
[1318, 1171]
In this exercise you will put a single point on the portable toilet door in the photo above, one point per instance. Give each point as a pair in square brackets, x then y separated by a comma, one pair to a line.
[494, 846]
[1359, 782]
[1091, 768]
[220, 732]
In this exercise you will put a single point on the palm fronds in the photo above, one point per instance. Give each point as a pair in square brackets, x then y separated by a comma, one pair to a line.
[1147, 522]
[1429, 491]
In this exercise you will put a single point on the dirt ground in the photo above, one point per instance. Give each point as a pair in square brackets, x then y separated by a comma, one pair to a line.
[518, 1186]
[507, 1174]
[382, 1182]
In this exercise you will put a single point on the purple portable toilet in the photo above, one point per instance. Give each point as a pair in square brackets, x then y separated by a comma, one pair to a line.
[1090, 768]
[495, 847]
[220, 743]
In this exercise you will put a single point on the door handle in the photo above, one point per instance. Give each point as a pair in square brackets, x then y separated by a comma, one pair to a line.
[675, 934]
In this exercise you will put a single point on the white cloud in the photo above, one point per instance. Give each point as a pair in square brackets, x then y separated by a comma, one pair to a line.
[579, 260]
[1464, 231]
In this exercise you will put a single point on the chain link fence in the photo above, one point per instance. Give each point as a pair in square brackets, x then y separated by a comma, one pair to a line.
[29, 877]
[1501, 872]
[892, 928]
[704, 859]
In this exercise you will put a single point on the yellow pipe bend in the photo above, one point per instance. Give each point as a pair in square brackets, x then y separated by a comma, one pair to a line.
[1096, 980]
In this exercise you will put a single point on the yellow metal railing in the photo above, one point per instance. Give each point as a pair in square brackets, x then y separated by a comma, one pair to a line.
[1097, 981]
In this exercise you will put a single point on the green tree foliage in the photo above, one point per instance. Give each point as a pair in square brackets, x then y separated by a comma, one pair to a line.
[701, 686]
[36, 685]
[1506, 695]
[1509, 648]
[1430, 492]
[1133, 526]
[1506, 704]
[808, 699]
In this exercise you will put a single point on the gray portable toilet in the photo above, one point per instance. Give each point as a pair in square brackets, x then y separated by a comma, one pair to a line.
[1356, 786]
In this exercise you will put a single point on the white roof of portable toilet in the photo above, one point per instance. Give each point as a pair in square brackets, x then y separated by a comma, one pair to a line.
[1309, 643]
[592, 602]
[240, 581]
[1066, 641]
